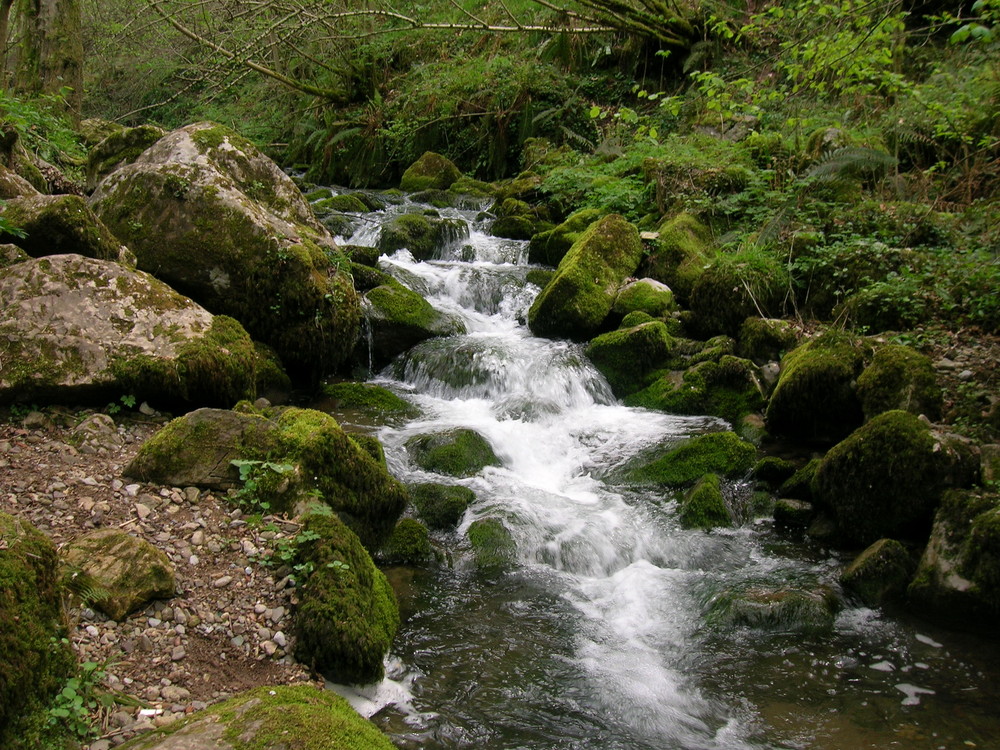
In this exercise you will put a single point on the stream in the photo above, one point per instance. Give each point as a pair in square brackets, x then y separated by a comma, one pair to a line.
[596, 636]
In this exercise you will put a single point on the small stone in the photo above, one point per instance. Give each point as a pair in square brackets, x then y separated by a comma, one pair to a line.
[180, 617]
[276, 614]
[965, 375]
[280, 639]
[147, 410]
[100, 745]
[177, 653]
[259, 608]
[198, 538]
[221, 583]
[132, 490]
[145, 643]
[269, 647]
[154, 622]
[34, 420]
[194, 560]
[191, 494]
[175, 694]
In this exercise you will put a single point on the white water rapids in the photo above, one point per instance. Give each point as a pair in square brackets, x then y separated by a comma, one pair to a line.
[596, 638]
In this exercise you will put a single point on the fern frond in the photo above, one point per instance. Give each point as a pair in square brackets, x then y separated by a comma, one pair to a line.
[852, 163]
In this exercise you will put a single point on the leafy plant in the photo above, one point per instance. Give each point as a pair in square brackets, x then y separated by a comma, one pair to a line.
[126, 400]
[260, 478]
[82, 704]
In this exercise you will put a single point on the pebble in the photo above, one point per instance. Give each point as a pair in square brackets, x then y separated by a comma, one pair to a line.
[221, 583]
[280, 639]
[177, 653]
[269, 647]
[198, 538]
[143, 511]
[175, 694]
[100, 745]
[132, 490]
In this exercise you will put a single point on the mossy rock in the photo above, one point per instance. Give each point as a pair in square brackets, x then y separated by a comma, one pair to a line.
[441, 506]
[129, 571]
[703, 506]
[458, 453]
[122, 146]
[12, 185]
[958, 577]
[35, 657]
[727, 388]
[424, 236]
[493, 547]
[517, 227]
[430, 171]
[272, 382]
[578, 299]
[208, 213]
[93, 130]
[815, 398]
[59, 225]
[680, 254]
[362, 254]
[626, 356]
[372, 446]
[398, 319]
[720, 453]
[766, 339]
[81, 329]
[773, 471]
[371, 399]
[793, 513]
[11, 254]
[550, 246]
[465, 188]
[302, 717]
[344, 203]
[198, 448]
[347, 614]
[886, 478]
[880, 573]
[899, 378]
[735, 287]
[645, 295]
[772, 607]
[408, 544]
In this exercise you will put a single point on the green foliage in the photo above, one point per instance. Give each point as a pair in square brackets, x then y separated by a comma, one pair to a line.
[43, 127]
[7, 227]
[260, 479]
[79, 704]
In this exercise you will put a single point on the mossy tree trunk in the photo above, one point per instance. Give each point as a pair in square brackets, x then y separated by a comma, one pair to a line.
[50, 54]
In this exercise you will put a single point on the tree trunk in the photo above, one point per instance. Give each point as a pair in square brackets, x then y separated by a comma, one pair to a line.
[51, 50]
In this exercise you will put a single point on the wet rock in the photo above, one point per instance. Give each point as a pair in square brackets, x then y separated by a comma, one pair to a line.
[703, 506]
[717, 452]
[430, 172]
[767, 606]
[459, 452]
[441, 506]
[880, 573]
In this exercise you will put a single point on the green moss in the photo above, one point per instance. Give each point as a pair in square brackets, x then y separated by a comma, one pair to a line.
[370, 445]
[880, 573]
[776, 608]
[703, 506]
[343, 203]
[773, 471]
[34, 657]
[982, 558]
[680, 254]
[814, 398]
[421, 235]
[516, 227]
[458, 452]
[59, 225]
[645, 295]
[735, 287]
[492, 544]
[408, 544]
[899, 378]
[430, 171]
[799, 485]
[372, 399]
[634, 319]
[765, 340]
[441, 506]
[626, 356]
[122, 146]
[886, 478]
[717, 452]
[270, 379]
[793, 513]
[548, 247]
[347, 614]
[575, 303]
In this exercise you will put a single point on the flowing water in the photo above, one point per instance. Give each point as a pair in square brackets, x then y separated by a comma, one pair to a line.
[596, 637]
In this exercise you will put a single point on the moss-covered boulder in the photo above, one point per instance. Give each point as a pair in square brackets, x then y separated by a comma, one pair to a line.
[815, 398]
[441, 506]
[426, 237]
[774, 607]
[129, 571]
[35, 658]
[578, 299]
[321, 459]
[899, 378]
[408, 544]
[728, 387]
[430, 172]
[459, 453]
[703, 506]
[302, 717]
[93, 130]
[61, 224]
[958, 578]
[886, 478]
[799, 485]
[720, 453]
[550, 246]
[792, 513]
[12, 185]
[208, 213]
[680, 254]
[880, 573]
[368, 399]
[493, 546]
[78, 328]
[626, 356]
[766, 339]
[773, 471]
[397, 319]
[644, 295]
[347, 614]
[121, 146]
[735, 287]
[517, 220]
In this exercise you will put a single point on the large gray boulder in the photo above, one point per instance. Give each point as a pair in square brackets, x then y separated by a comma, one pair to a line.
[74, 327]
[208, 213]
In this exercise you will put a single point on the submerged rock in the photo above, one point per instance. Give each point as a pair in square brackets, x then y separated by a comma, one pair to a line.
[79, 328]
[295, 454]
[347, 614]
[458, 453]
[35, 657]
[578, 299]
[788, 609]
[206, 212]
[885, 479]
[441, 506]
[129, 572]
[290, 716]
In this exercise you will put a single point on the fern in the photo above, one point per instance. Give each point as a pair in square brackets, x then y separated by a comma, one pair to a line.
[852, 163]
[83, 586]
